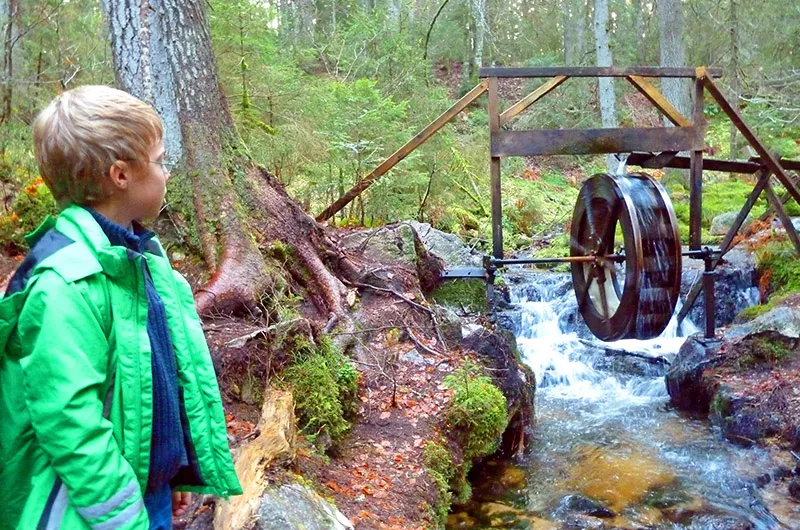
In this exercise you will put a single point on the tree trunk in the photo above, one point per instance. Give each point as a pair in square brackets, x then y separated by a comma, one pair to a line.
[393, 12]
[9, 18]
[733, 71]
[605, 85]
[673, 53]
[479, 31]
[574, 31]
[230, 208]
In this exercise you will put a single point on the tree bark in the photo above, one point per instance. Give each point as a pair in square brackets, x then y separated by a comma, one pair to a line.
[574, 31]
[479, 31]
[162, 54]
[673, 53]
[608, 112]
[9, 19]
[733, 70]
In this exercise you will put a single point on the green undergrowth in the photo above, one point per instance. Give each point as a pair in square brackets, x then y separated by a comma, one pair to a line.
[27, 210]
[325, 387]
[765, 349]
[441, 469]
[779, 269]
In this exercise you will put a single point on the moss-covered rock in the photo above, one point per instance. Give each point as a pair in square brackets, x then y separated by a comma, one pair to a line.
[469, 294]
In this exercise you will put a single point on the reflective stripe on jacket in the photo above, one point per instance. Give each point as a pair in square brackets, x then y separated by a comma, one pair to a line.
[76, 385]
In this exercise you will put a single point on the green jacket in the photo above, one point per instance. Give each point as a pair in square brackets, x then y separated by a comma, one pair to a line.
[76, 385]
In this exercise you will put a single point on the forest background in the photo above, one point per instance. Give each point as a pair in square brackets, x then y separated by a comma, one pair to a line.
[323, 90]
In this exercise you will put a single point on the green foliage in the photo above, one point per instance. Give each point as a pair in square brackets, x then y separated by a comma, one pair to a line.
[477, 413]
[325, 387]
[28, 210]
[440, 468]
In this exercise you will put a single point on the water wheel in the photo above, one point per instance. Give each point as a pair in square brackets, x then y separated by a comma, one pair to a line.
[629, 293]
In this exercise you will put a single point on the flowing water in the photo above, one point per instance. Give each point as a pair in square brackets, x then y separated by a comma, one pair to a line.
[605, 441]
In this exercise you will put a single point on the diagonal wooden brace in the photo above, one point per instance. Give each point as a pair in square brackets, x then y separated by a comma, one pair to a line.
[658, 100]
[767, 158]
[511, 112]
[777, 205]
[763, 182]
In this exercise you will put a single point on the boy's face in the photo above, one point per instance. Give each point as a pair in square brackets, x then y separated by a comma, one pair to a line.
[148, 185]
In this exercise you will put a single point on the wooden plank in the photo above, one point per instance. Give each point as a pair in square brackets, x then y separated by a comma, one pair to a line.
[518, 107]
[648, 160]
[404, 151]
[494, 171]
[766, 156]
[696, 174]
[763, 180]
[658, 100]
[777, 205]
[594, 141]
[595, 71]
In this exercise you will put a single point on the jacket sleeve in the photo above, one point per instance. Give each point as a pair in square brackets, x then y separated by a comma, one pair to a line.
[64, 374]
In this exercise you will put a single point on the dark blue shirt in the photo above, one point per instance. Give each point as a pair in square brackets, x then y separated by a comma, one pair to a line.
[168, 451]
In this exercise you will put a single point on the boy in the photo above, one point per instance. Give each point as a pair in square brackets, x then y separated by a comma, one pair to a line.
[108, 398]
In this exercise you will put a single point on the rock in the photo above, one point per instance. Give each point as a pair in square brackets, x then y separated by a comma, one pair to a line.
[498, 352]
[274, 445]
[687, 388]
[391, 243]
[296, 507]
[582, 522]
[783, 320]
[413, 357]
[723, 222]
[449, 247]
[449, 324]
[794, 489]
[582, 505]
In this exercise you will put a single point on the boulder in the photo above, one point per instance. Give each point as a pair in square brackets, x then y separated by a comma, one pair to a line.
[687, 385]
[723, 222]
[783, 320]
[578, 504]
[263, 506]
[449, 247]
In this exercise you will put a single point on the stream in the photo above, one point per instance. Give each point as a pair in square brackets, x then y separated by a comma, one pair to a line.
[607, 451]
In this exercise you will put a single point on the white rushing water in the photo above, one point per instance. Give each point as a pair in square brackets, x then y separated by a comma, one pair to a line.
[589, 395]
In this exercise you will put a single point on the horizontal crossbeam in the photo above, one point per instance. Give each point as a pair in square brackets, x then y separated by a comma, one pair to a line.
[595, 141]
[596, 71]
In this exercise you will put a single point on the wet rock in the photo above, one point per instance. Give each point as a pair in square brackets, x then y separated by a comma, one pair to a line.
[582, 522]
[582, 505]
[736, 288]
[498, 352]
[715, 522]
[687, 387]
[794, 489]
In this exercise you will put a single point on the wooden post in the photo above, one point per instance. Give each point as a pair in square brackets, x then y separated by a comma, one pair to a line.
[403, 152]
[494, 170]
[696, 175]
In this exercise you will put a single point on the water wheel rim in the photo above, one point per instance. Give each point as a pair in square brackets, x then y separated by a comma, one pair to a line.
[649, 229]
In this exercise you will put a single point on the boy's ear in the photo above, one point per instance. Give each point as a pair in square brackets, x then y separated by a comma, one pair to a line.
[118, 175]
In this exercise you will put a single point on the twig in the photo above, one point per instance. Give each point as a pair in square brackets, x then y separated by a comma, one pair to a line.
[419, 343]
[332, 321]
[240, 342]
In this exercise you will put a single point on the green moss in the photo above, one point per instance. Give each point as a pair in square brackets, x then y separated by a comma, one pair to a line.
[467, 293]
[779, 266]
[325, 387]
[720, 405]
[440, 468]
[770, 350]
[477, 413]
[559, 247]
[752, 312]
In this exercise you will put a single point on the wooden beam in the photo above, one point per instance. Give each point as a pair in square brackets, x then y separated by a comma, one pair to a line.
[494, 173]
[658, 100]
[766, 156]
[404, 151]
[649, 160]
[696, 173]
[594, 141]
[518, 107]
[595, 71]
[762, 183]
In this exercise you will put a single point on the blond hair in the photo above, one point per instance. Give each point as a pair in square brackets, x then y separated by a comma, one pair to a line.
[83, 131]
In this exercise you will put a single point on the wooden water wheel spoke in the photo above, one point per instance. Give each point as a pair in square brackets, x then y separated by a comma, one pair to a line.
[619, 301]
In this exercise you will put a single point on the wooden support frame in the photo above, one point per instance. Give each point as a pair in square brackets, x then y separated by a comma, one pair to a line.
[520, 106]
[658, 100]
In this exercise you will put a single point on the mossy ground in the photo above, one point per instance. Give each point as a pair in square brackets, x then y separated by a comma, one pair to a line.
[325, 387]
[469, 294]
